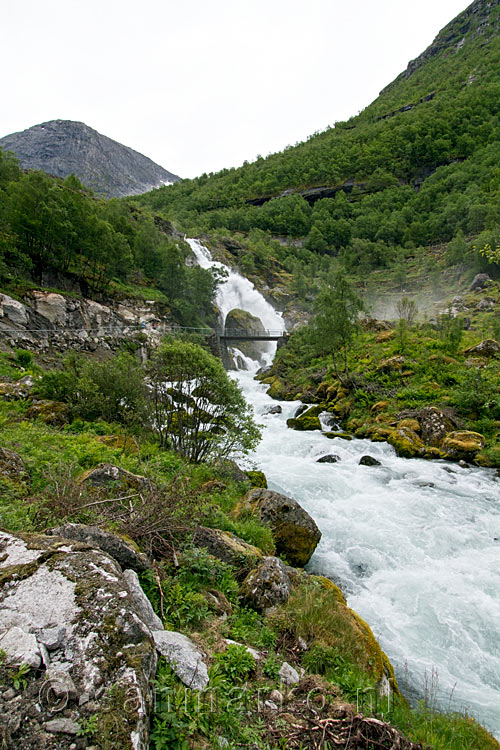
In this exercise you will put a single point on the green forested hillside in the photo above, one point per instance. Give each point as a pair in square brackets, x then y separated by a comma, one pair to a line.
[56, 227]
[416, 167]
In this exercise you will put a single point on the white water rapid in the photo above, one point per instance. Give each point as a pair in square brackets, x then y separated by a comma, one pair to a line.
[414, 544]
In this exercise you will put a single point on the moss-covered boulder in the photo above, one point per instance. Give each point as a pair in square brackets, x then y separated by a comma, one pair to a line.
[12, 467]
[69, 610]
[463, 445]
[308, 420]
[241, 321]
[406, 442]
[341, 435]
[317, 613]
[486, 348]
[51, 412]
[391, 364]
[295, 533]
[278, 389]
[412, 424]
[226, 546]
[122, 549]
[379, 406]
[267, 585]
[16, 391]
[119, 442]
[106, 474]
[434, 424]
[229, 469]
[257, 479]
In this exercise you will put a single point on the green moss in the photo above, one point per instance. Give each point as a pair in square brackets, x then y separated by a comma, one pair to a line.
[257, 478]
[406, 442]
[278, 390]
[308, 420]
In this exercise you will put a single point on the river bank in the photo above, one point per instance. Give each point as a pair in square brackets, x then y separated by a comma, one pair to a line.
[412, 543]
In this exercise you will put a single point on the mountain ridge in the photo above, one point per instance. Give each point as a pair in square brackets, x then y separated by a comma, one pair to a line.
[64, 147]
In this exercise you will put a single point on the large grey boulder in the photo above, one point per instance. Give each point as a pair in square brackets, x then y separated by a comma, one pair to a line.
[184, 657]
[66, 609]
[267, 585]
[124, 551]
[480, 281]
[295, 533]
[243, 322]
[434, 425]
[141, 602]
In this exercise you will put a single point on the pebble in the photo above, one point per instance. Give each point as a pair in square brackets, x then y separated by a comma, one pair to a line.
[288, 674]
[62, 726]
[271, 705]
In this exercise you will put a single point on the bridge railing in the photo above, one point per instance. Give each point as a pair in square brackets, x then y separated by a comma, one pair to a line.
[237, 332]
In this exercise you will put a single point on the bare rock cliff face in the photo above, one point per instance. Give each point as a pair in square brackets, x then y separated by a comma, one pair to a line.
[49, 321]
[64, 147]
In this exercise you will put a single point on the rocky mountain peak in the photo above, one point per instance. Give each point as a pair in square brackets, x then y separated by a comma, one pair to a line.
[64, 147]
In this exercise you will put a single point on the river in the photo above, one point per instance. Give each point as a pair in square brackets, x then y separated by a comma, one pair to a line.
[414, 544]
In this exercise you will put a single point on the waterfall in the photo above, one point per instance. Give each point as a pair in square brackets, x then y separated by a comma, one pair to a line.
[414, 544]
[237, 292]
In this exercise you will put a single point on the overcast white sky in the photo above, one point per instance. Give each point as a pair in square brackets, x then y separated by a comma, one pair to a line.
[203, 84]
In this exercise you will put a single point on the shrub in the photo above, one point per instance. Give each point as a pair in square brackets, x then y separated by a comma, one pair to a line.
[24, 357]
[236, 663]
[199, 569]
[248, 626]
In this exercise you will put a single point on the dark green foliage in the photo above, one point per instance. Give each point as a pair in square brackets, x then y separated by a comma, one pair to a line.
[112, 390]
[478, 395]
[248, 626]
[451, 330]
[24, 357]
[194, 406]
[201, 570]
[337, 309]
[419, 166]
[59, 226]
[236, 663]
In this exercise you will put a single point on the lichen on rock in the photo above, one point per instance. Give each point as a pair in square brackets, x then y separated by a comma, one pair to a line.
[68, 608]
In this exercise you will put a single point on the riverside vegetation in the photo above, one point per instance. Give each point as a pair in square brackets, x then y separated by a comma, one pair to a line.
[96, 423]
[398, 202]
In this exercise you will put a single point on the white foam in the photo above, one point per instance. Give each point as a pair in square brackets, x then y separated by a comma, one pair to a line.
[418, 562]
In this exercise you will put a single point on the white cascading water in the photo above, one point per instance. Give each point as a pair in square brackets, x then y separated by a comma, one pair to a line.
[237, 292]
[414, 544]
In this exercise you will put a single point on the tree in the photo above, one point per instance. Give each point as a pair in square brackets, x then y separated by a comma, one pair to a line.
[406, 310]
[337, 309]
[195, 408]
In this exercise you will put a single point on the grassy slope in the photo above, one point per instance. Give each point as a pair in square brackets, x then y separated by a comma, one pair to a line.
[343, 660]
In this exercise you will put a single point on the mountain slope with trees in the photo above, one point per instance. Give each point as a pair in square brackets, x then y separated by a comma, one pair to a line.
[418, 167]
[53, 227]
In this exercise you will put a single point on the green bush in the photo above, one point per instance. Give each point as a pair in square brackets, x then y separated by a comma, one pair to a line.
[24, 357]
[236, 663]
[201, 570]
